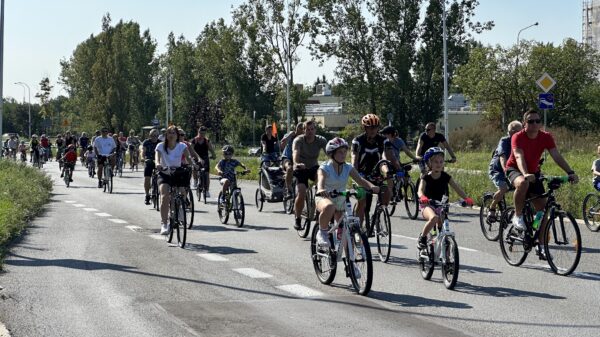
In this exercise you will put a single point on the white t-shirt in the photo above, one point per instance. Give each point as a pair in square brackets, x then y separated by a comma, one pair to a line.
[173, 157]
[104, 145]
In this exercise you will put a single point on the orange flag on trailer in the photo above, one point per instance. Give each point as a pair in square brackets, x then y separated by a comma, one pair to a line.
[274, 129]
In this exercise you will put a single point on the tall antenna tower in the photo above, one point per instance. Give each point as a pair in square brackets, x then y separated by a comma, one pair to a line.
[591, 23]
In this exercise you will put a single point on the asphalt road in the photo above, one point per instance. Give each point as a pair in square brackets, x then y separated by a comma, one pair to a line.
[93, 265]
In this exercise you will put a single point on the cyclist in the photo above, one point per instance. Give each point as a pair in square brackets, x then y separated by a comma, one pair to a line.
[269, 145]
[122, 144]
[434, 185]
[497, 167]
[523, 168]
[60, 146]
[367, 150]
[306, 149]
[133, 144]
[84, 141]
[168, 155]
[429, 139]
[149, 150]
[202, 146]
[34, 146]
[226, 169]
[45, 143]
[104, 146]
[69, 159]
[596, 171]
[12, 144]
[96, 135]
[287, 158]
[396, 144]
[90, 156]
[23, 150]
[333, 175]
[69, 139]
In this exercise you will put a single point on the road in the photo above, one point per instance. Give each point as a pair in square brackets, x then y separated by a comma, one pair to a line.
[93, 265]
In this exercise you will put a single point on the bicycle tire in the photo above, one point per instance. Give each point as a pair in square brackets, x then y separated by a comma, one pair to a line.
[411, 202]
[222, 209]
[239, 212]
[190, 208]
[384, 236]
[180, 216]
[172, 224]
[325, 266]
[259, 200]
[362, 263]
[591, 211]
[110, 182]
[450, 269]
[563, 245]
[426, 264]
[395, 197]
[155, 194]
[307, 214]
[288, 203]
[66, 178]
[491, 231]
[511, 244]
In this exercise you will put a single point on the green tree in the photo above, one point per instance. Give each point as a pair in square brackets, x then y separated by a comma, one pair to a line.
[44, 96]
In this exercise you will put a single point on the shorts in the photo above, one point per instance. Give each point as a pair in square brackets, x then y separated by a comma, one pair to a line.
[205, 163]
[597, 185]
[70, 165]
[180, 178]
[222, 181]
[303, 175]
[149, 168]
[339, 202]
[499, 179]
[437, 210]
[536, 188]
[102, 160]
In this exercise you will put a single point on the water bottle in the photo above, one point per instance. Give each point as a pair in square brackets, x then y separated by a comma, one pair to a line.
[446, 226]
[537, 220]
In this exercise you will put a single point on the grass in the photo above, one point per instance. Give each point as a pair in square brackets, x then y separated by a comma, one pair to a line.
[23, 192]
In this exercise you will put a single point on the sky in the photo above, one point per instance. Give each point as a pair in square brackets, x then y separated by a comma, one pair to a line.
[39, 33]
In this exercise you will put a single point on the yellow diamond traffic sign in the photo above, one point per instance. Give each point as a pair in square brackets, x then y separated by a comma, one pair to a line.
[546, 82]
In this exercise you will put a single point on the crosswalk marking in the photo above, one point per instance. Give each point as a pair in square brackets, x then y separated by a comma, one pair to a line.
[88, 209]
[252, 273]
[102, 214]
[300, 290]
[213, 257]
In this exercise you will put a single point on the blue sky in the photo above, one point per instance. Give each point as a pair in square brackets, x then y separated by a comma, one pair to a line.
[39, 33]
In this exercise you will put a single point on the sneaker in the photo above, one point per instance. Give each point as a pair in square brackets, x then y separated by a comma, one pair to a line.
[70, 180]
[518, 223]
[164, 229]
[422, 242]
[298, 224]
[147, 201]
[207, 194]
[99, 183]
[491, 216]
[322, 239]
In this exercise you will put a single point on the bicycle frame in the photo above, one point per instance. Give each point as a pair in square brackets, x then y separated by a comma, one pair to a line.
[439, 244]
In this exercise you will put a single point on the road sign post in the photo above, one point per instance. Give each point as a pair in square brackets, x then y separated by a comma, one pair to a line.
[546, 100]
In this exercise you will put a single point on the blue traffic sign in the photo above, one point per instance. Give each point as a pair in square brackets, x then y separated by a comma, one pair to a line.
[546, 101]
[155, 122]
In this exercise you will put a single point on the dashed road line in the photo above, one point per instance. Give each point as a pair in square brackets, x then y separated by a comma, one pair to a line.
[89, 209]
[252, 273]
[132, 228]
[70, 201]
[79, 205]
[157, 236]
[102, 214]
[117, 220]
[213, 257]
[299, 290]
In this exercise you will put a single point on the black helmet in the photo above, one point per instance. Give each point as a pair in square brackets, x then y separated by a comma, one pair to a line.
[389, 130]
[227, 149]
[90, 148]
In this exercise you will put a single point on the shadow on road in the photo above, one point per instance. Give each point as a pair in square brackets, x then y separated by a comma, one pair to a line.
[416, 301]
[217, 228]
[467, 288]
[265, 228]
[223, 250]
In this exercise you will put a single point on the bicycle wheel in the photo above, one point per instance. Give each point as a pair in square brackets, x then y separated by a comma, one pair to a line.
[181, 226]
[360, 263]
[511, 243]
[259, 200]
[591, 211]
[490, 229]
[66, 177]
[189, 203]
[222, 209]
[155, 194]
[451, 264]
[288, 202]
[239, 210]
[563, 243]
[110, 182]
[324, 262]
[411, 202]
[383, 232]
[172, 225]
[426, 265]
[307, 214]
[395, 198]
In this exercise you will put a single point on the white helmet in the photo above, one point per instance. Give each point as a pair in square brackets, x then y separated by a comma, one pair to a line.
[335, 144]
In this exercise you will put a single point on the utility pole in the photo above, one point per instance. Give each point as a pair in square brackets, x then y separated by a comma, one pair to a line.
[29, 102]
[445, 33]
[1, 63]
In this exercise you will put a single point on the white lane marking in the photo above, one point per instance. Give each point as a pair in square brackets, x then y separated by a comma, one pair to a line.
[79, 205]
[415, 239]
[252, 273]
[157, 236]
[133, 228]
[90, 209]
[102, 214]
[70, 201]
[117, 220]
[213, 257]
[300, 290]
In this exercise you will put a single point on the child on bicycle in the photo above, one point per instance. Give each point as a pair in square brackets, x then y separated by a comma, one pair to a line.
[23, 150]
[69, 159]
[226, 169]
[596, 171]
[434, 186]
[333, 175]
[90, 157]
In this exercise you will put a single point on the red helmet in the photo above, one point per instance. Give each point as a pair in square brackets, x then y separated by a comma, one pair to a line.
[370, 120]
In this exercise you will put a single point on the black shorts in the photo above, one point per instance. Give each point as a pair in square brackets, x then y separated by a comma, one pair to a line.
[149, 168]
[205, 163]
[303, 175]
[535, 188]
[179, 178]
[102, 160]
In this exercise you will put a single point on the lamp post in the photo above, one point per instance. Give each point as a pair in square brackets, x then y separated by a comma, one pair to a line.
[445, 38]
[24, 85]
[254, 128]
[1, 63]
[517, 65]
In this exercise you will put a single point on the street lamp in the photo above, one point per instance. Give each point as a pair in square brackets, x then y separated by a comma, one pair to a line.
[24, 85]
[254, 128]
[517, 64]
[445, 38]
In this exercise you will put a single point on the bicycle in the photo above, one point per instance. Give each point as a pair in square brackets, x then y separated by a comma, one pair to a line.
[67, 175]
[441, 249]
[189, 205]
[155, 194]
[591, 211]
[490, 226]
[515, 245]
[201, 189]
[289, 198]
[36, 161]
[177, 211]
[232, 201]
[308, 214]
[107, 177]
[91, 166]
[135, 158]
[119, 165]
[405, 189]
[347, 244]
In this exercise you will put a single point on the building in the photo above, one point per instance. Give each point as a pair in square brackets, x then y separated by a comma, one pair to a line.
[327, 110]
[460, 113]
[591, 23]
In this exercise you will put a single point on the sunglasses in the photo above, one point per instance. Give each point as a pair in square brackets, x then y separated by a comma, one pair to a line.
[534, 121]
[429, 130]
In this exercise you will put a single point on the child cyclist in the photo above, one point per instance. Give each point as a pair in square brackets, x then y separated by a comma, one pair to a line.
[434, 186]
[90, 157]
[226, 169]
[333, 175]
[596, 171]
[69, 158]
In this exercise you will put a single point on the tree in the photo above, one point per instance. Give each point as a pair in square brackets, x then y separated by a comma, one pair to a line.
[44, 96]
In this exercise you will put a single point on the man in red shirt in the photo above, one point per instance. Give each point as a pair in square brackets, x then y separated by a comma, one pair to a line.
[69, 158]
[523, 165]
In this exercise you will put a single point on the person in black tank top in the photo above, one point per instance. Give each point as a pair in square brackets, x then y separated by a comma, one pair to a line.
[434, 186]
[202, 146]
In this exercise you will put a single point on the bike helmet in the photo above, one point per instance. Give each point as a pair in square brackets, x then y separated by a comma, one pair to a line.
[370, 120]
[432, 152]
[228, 149]
[389, 130]
[335, 144]
[90, 148]
[34, 136]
